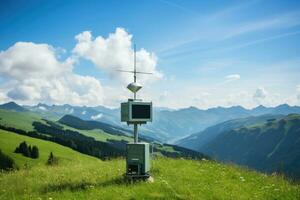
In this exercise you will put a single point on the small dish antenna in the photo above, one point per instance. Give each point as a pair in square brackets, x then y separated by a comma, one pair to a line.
[134, 87]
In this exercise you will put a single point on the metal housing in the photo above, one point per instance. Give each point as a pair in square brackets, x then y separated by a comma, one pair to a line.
[138, 159]
[127, 112]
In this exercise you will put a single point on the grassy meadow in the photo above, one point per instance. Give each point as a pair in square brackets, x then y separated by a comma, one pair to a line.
[78, 176]
[24, 119]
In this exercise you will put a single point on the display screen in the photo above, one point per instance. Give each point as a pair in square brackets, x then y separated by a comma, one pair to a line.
[141, 112]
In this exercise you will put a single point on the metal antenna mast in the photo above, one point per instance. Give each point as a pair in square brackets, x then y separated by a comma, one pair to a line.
[134, 88]
[134, 63]
[134, 72]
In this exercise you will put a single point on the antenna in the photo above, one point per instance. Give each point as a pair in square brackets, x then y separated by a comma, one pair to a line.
[134, 87]
[134, 74]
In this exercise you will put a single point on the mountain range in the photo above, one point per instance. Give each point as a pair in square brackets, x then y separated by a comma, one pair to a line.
[168, 125]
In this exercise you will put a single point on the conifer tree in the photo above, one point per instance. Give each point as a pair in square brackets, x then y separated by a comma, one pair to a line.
[51, 159]
[6, 162]
[35, 152]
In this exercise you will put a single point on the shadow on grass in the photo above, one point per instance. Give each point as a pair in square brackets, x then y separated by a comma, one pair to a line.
[84, 185]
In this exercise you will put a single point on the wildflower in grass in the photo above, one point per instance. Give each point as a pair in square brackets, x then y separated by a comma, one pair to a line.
[242, 179]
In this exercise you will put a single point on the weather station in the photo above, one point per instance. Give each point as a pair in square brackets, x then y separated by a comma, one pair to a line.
[136, 112]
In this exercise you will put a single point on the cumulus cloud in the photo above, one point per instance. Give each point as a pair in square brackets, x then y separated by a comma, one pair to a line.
[26, 59]
[260, 93]
[33, 73]
[232, 77]
[115, 52]
[260, 96]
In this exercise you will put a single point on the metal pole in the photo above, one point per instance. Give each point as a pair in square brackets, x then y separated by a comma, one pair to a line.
[134, 64]
[135, 131]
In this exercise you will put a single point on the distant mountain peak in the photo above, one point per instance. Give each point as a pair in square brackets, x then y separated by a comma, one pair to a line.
[261, 106]
[285, 105]
[41, 104]
[12, 106]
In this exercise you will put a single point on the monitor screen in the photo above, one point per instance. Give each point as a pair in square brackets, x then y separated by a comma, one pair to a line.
[141, 111]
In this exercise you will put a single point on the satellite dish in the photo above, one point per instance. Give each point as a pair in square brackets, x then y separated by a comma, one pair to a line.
[134, 87]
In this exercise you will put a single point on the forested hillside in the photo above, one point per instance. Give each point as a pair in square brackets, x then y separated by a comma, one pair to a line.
[272, 146]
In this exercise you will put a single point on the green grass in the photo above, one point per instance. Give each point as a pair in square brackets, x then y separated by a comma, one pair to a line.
[24, 119]
[9, 141]
[83, 177]
[98, 134]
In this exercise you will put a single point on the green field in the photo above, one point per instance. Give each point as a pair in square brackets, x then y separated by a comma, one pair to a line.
[98, 134]
[9, 141]
[24, 119]
[78, 176]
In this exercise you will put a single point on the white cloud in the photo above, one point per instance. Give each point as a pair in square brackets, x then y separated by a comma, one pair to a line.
[115, 52]
[298, 93]
[26, 59]
[95, 117]
[260, 93]
[285, 20]
[233, 77]
[298, 88]
[33, 73]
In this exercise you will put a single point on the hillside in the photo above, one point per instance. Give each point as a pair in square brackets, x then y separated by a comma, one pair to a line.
[197, 141]
[272, 146]
[21, 120]
[105, 141]
[9, 141]
[83, 177]
[80, 124]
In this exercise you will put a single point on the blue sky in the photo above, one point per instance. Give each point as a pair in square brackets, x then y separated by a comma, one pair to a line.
[207, 53]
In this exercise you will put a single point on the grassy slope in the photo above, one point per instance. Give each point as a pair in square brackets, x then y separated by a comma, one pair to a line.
[98, 134]
[84, 177]
[9, 141]
[24, 119]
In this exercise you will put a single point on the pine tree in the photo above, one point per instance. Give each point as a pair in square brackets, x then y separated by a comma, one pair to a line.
[17, 150]
[6, 162]
[23, 147]
[26, 152]
[35, 152]
[29, 150]
[51, 159]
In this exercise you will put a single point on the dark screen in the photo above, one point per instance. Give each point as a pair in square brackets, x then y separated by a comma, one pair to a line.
[141, 111]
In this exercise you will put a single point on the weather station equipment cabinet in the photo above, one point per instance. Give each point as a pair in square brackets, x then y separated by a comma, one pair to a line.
[138, 159]
[136, 112]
